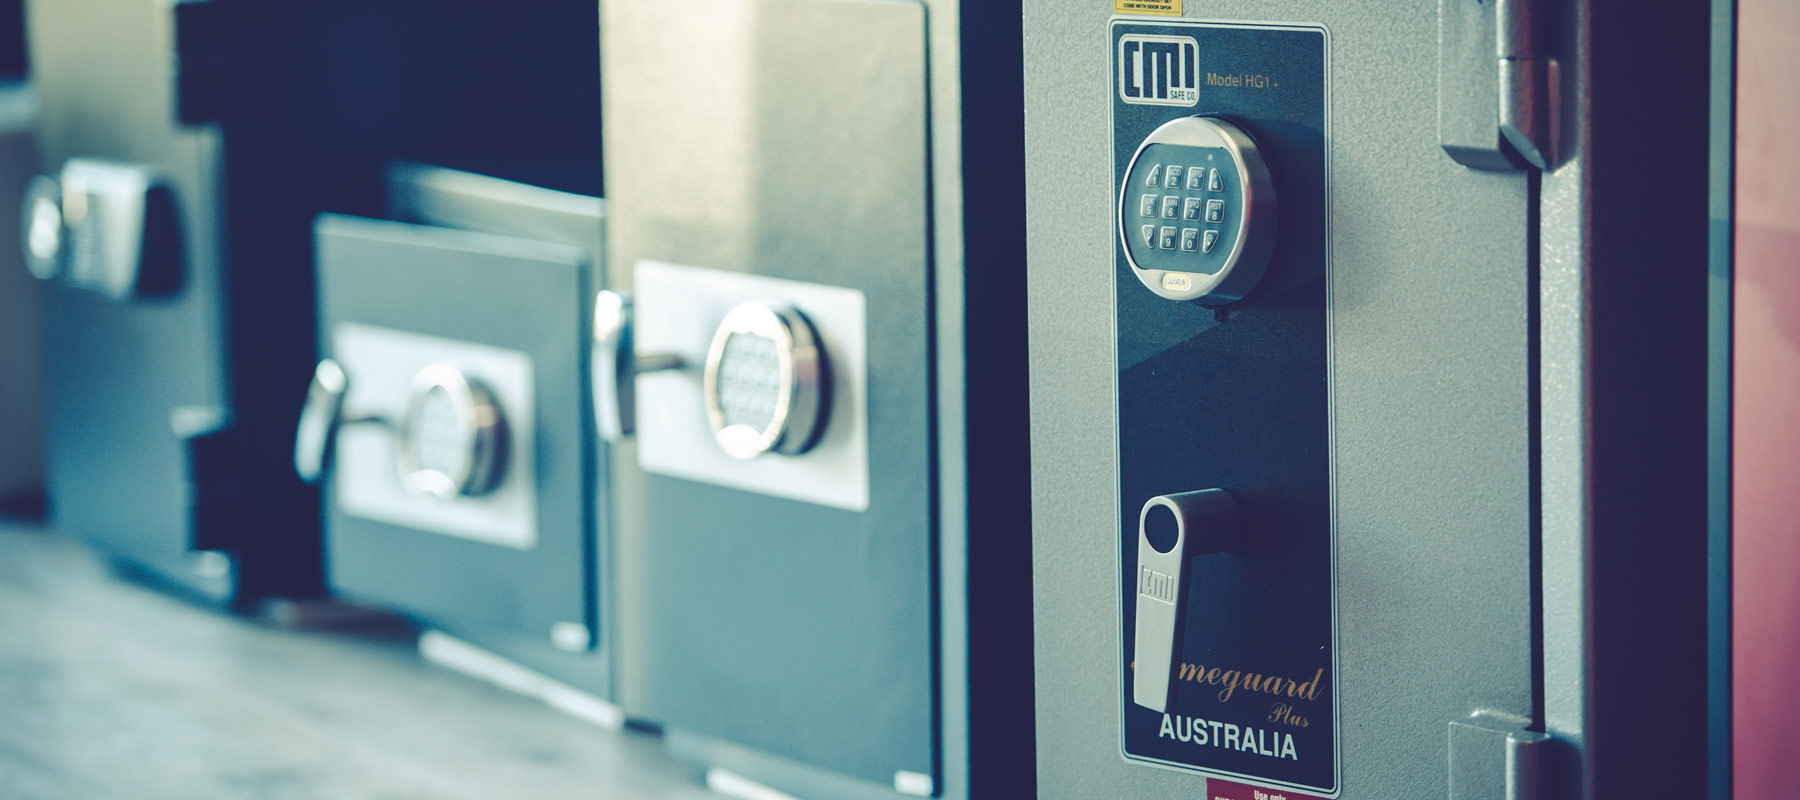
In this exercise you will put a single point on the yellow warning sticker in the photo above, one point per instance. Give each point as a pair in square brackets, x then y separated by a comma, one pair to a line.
[1166, 8]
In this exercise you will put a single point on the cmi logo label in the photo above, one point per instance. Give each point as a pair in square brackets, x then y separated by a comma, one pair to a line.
[1156, 586]
[1159, 70]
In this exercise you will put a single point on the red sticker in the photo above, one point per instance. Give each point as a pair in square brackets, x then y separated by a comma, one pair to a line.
[1226, 790]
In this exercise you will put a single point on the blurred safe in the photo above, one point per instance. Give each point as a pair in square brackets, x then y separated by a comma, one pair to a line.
[449, 419]
[812, 359]
[186, 148]
[1359, 461]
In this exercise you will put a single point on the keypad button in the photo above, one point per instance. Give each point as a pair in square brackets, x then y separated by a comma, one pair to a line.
[1166, 240]
[1215, 183]
[1190, 209]
[1209, 241]
[1147, 206]
[1172, 176]
[1215, 211]
[1171, 206]
[1153, 178]
[1149, 234]
[1196, 178]
[1190, 239]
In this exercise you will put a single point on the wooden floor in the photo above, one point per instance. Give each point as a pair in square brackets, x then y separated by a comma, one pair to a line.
[110, 689]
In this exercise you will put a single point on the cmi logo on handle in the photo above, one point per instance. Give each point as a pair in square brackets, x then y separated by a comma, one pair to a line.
[1156, 586]
[1159, 70]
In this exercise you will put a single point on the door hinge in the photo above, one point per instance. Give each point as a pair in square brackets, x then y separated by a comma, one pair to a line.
[1494, 757]
[1494, 83]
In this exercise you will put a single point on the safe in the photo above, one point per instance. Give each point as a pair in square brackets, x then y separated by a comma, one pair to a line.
[1363, 464]
[811, 361]
[449, 420]
[185, 149]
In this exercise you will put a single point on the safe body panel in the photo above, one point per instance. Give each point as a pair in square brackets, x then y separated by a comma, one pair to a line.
[1428, 423]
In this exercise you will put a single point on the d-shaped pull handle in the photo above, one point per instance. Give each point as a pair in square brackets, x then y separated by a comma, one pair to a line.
[616, 366]
[1172, 529]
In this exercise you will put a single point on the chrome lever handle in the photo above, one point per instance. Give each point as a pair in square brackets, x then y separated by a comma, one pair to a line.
[616, 366]
[320, 419]
[1172, 529]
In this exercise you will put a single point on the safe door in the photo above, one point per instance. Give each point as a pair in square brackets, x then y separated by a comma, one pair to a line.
[1283, 540]
[448, 423]
[775, 496]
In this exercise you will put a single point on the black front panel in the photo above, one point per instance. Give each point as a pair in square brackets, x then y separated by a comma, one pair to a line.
[1233, 400]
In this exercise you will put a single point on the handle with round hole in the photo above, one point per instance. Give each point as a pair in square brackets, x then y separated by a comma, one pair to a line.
[1172, 530]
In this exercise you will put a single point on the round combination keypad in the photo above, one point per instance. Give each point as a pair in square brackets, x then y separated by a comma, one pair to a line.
[1197, 212]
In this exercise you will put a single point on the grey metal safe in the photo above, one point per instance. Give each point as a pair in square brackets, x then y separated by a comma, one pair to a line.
[186, 148]
[1353, 377]
[813, 366]
[449, 420]
[162, 376]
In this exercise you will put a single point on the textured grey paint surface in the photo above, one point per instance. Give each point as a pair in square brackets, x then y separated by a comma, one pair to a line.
[1429, 338]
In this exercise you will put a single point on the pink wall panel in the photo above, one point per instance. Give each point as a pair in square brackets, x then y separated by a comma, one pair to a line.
[1766, 404]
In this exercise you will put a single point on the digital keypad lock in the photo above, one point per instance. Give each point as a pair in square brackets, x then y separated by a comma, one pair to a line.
[1197, 214]
[765, 381]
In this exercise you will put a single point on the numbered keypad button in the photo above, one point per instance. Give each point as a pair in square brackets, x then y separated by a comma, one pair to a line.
[1215, 211]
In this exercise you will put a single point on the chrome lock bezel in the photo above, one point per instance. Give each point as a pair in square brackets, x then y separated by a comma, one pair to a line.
[480, 428]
